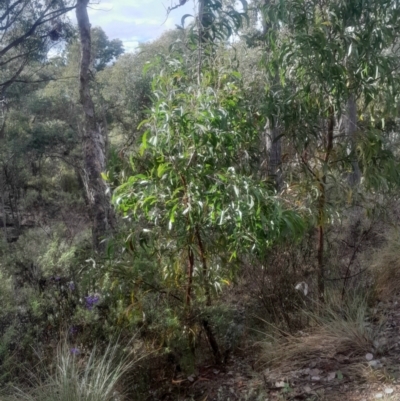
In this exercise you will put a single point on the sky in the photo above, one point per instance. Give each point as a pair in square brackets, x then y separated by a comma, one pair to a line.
[136, 21]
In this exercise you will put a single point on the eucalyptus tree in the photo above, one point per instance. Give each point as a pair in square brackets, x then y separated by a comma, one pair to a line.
[332, 56]
[273, 142]
[94, 157]
[199, 202]
[45, 122]
[27, 30]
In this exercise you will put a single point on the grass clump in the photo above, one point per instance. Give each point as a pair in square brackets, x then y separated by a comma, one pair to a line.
[385, 267]
[78, 378]
[334, 328]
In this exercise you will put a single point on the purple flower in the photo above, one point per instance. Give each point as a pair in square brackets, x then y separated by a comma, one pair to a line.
[73, 330]
[74, 351]
[71, 286]
[91, 301]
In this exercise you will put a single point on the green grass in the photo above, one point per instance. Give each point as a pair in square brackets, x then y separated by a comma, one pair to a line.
[78, 378]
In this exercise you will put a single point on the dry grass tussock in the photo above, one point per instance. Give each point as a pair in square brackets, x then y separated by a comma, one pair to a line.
[385, 267]
[333, 332]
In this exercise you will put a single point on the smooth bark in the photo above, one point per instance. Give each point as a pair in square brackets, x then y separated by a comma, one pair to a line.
[274, 154]
[273, 145]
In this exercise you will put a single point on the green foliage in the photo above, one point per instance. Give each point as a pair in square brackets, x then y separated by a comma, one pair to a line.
[198, 204]
[104, 50]
[125, 87]
[378, 162]
[187, 117]
[26, 25]
[198, 181]
[323, 54]
[40, 294]
[195, 183]
[219, 21]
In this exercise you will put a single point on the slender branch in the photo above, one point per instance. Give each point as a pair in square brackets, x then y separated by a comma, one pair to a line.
[6, 84]
[308, 167]
[160, 290]
[200, 44]
[353, 256]
[348, 277]
[40, 21]
[9, 9]
[205, 269]
[169, 9]
[190, 276]
[16, 57]
[24, 81]
[27, 34]
[7, 15]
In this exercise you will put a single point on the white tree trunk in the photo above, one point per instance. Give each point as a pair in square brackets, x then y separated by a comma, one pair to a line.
[274, 154]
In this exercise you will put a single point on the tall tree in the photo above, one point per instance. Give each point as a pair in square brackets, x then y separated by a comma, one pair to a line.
[273, 142]
[26, 31]
[195, 189]
[330, 57]
[98, 198]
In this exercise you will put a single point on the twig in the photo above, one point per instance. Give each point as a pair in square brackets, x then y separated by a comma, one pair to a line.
[353, 256]
[169, 9]
[348, 277]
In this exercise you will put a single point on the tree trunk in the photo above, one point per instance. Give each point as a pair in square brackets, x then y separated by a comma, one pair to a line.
[272, 140]
[274, 154]
[3, 208]
[321, 206]
[351, 131]
[189, 277]
[213, 342]
[3, 109]
[320, 247]
[100, 209]
[205, 268]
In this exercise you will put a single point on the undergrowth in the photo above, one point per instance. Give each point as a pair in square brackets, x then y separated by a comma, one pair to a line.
[385, 266]
[76, 377]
